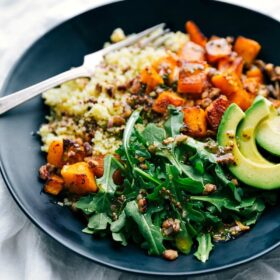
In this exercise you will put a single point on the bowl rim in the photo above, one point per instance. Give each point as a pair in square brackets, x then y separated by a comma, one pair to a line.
[74, 249]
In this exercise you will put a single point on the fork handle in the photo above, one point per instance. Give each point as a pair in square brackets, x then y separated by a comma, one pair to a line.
[10, 101]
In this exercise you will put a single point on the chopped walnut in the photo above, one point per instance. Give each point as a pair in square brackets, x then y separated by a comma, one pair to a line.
[209, 188]
[170, 255]
[170, 226]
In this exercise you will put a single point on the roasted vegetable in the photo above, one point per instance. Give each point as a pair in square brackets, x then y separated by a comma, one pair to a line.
[217, 49]
[167, 66]
[231, 63]
[255, 72]
[247, 48]
[151, 78]
[195, 34]
[192, 52]
[78, 178]
[195, 121]
[55, 153]
[96, 164]
[167, 98]
[231, 86]
[215, 111]
[192, 79]
[54, 185]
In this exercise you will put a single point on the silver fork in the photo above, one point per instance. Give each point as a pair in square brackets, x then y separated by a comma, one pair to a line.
[86, 70]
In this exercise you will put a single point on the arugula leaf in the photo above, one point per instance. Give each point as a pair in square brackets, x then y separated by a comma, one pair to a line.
[150, 232]
[225, 202]
[99, 221]
[127, 134]
[88, 230]
[119, 237]
[152, 134]
[174, 122]
[106, 183]
[99, 202]
[117, 225]
[237, 192]
[204, 247]
[146, 176]
[202, 155]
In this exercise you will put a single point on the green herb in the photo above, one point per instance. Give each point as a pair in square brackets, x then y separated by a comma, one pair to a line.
[165, 180]
[150, 232]
[204, 247]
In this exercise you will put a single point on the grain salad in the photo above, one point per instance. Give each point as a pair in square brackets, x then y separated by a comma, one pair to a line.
[173, 146]
[83, 104]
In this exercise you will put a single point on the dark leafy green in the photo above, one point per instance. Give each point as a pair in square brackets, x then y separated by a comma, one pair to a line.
[166, 183]
[150, 232]
[204, 247]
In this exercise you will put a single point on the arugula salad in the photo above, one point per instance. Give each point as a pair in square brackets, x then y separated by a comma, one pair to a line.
[173, 147]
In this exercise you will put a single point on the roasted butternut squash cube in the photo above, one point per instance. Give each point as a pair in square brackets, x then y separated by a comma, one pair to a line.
[232, 64]
[195, 34]
[151, 78]
[228, 82]
[192, 52]
[54, 185]
[247, 48]
[55, 153]
[78, 178]
[192, 79]
[165, 99]
[242, 98]
[217, 49]
[167, 65]
[195, 121]
[215, 111]
[255, 72]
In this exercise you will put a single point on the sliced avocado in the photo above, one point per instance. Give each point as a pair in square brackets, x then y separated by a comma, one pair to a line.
[246, 131]
[262, 176]
[273, 111]
[268, 135]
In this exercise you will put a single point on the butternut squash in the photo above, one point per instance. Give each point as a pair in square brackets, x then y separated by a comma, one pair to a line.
[192, 79]
[54, 185]
[195, 34]
[217, 49]
[151, 78]
[78, 178]
[231, 86]
[55, 153]
[192, 52]
[255, 72]
[167, 66]
[232, 64]
[195, 121]
[247, 48]
[167, 98]
[215, 111]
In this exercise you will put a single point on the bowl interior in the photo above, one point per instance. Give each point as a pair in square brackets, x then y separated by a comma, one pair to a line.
[64, 47]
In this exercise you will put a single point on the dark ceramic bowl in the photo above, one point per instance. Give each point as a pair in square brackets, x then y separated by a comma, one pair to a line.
[64, 47]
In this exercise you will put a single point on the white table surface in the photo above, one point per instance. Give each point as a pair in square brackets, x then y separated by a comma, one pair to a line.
[25, 252]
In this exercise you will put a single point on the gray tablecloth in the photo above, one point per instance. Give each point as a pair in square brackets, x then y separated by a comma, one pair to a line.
[26, 252]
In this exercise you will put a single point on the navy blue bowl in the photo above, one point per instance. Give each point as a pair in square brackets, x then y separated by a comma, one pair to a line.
[64, 47]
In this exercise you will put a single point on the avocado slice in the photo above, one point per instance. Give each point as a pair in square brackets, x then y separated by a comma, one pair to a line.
[246, 130]
[262, 176]
[268, 135]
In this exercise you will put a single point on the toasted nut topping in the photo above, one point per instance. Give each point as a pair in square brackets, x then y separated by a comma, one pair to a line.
[170, 255]
[209, 188]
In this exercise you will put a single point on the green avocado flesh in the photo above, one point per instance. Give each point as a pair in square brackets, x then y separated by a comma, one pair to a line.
[268, 135]
[246, 131]
[262, 176]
